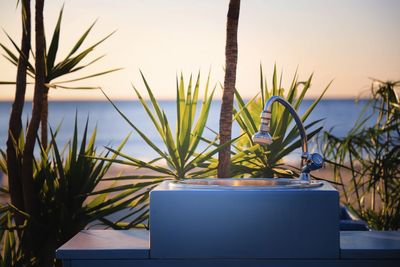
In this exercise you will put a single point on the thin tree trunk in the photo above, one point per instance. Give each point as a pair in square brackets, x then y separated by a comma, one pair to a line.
[231, 55]
[33, 233]
[14, 162]
[29, 190]
[44, 117]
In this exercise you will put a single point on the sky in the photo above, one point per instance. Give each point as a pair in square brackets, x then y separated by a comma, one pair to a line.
[347, 41]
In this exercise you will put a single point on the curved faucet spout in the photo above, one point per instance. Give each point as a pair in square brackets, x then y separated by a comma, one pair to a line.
[292, 111]
[263, 137]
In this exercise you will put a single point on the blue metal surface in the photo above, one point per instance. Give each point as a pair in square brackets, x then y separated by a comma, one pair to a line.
[107, 244]
[350, 222]
[226, 223]
[370, 245]
[234, 263]
[105, 248]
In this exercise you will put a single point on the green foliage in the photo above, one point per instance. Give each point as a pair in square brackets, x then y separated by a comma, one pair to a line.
[72, 63]
[370, 155]
[181, 156]
[11, 253]
[253, 160]
[71, 196]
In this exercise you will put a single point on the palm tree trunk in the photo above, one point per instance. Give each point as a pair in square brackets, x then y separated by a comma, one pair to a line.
[14, 161]
[231, 55]
[44, 117]
[33, 233]
[30, 195]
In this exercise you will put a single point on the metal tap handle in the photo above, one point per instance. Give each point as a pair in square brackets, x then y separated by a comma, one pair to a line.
[314, 161]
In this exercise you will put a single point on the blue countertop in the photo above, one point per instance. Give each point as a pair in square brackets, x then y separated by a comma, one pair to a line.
[135, 244]
[107, 244]
[369, 245]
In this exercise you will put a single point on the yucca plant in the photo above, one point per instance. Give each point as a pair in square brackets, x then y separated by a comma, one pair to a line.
[11, 254]
[366, 161]
[54, 71]
[71, 197]
[181, 155]
[252, 160]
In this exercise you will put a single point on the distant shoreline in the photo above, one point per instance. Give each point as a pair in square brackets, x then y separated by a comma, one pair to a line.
[173, 100]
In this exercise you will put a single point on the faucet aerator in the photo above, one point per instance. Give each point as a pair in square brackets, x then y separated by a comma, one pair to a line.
[262, 138]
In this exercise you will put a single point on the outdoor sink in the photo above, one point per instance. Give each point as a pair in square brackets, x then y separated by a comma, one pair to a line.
[244, 218]
[260, 218]
[246, 183]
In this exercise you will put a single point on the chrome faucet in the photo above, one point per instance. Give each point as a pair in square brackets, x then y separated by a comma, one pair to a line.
[312, 161]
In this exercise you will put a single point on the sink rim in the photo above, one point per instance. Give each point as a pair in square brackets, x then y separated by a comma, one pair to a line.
[277, 183]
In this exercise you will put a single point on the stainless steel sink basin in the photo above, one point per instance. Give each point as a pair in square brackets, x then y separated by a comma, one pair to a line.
[246, 183]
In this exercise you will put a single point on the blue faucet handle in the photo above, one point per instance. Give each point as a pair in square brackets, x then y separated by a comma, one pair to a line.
[314, 162]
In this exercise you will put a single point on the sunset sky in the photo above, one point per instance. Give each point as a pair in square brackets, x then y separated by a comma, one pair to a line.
[345, 40]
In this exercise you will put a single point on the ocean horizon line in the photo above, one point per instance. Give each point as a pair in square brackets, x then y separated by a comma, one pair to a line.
[174, 99]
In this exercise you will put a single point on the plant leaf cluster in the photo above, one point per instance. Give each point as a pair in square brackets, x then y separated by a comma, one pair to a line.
[181, 155]
[370, 156]
[72, 195]
[73, 62]
[252, 160]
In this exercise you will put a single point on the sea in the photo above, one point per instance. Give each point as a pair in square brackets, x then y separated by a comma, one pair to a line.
[339, 116]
